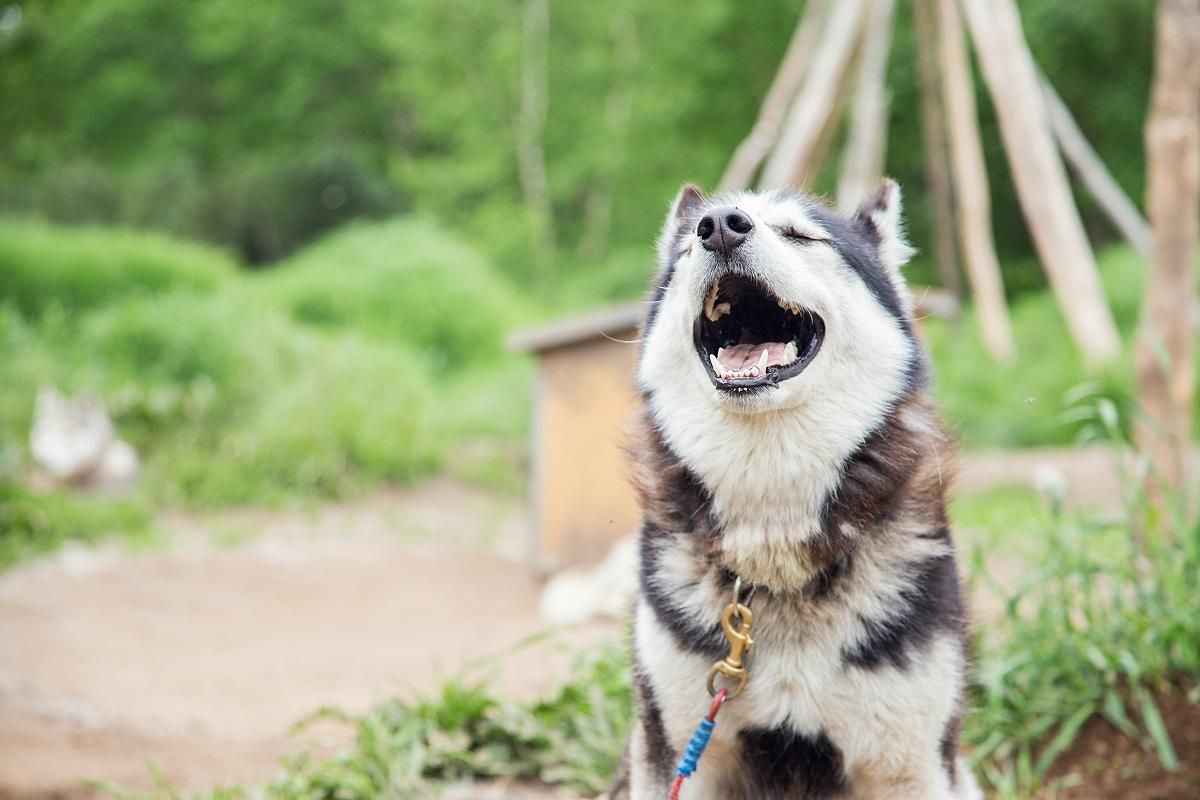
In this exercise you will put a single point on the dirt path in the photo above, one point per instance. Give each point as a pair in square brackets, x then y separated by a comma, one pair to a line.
[200, 656]
[199, 659]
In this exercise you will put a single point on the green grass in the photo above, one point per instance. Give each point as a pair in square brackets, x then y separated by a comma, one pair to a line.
[1025, 404]
[38, 522]
[1105, 620]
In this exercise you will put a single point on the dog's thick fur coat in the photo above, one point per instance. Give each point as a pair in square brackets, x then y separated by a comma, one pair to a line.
[825, 491]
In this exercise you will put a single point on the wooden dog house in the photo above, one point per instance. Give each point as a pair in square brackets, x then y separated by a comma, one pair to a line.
[581, 496]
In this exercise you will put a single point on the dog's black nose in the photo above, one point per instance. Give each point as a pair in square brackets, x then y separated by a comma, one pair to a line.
[723, 229]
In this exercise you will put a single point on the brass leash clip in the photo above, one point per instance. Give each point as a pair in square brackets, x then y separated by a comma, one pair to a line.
[735, 623]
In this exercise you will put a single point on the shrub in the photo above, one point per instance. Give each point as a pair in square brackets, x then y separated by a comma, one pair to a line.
[81, 268]
[230, 403]
[341, 414]
[401, 281]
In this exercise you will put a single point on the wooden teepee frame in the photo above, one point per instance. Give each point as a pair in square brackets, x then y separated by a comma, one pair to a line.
[846, 41]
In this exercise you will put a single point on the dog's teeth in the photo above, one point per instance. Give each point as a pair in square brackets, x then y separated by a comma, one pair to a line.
[762, 361]
[754, 372]
[720, 369]
[709, 300]
[789, 353]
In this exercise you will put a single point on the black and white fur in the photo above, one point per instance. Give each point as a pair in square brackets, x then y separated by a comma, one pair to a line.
[826, 493]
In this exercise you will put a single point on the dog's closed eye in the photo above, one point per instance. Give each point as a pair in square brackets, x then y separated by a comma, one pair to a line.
[794, 234]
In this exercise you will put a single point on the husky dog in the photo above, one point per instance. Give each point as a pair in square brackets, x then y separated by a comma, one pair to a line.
[786, 440]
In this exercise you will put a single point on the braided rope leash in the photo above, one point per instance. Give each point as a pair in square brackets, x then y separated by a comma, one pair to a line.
[735, 622]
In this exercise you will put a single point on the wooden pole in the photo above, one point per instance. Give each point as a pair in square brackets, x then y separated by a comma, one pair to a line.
[926, 25]
[754, 148]
[817, 103]
[1088, 165]
[1040, 177]
[1163, 353]
[862, 163]
[972, 198]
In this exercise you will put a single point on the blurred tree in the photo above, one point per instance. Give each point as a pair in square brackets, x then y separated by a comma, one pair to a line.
[259, 125]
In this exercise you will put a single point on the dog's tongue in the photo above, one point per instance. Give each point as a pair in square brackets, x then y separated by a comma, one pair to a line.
[743, 356]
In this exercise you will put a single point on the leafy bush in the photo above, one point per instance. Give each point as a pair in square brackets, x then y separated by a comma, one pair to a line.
[402, 281]
[235, 391]
[82, 268]
[335, 415]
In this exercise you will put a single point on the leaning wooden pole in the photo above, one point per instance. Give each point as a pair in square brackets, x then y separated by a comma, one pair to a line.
[1090, 168]
[972, 199]
[817, 103]
[1041, 179]
[749, 155]
[1164, 352]
[862, 162]
[933, 134]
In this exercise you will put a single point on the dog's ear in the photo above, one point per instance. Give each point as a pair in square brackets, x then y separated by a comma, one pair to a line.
[682, 217]
[879, 217]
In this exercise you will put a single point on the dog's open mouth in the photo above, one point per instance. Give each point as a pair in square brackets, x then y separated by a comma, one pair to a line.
[748, 338]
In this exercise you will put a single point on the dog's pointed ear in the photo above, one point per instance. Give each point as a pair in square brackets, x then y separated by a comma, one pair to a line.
[681, 218]
[879, 216]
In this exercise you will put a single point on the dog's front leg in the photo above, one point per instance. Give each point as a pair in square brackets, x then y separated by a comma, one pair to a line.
[649, 772]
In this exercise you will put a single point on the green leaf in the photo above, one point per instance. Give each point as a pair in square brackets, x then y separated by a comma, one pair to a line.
[1157, 730]
[1062, 739]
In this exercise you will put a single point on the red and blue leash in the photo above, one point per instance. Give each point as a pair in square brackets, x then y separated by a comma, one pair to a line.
[736, 619]
[695, 748]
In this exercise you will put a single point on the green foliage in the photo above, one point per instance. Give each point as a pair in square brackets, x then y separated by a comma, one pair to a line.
[1026, 403]
[260, 125]
[251, 388]
[572, 737]
[1104, 622]
[257, 126]
[404, 281]
[33, 522]
[82, 268]
[334, 415]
